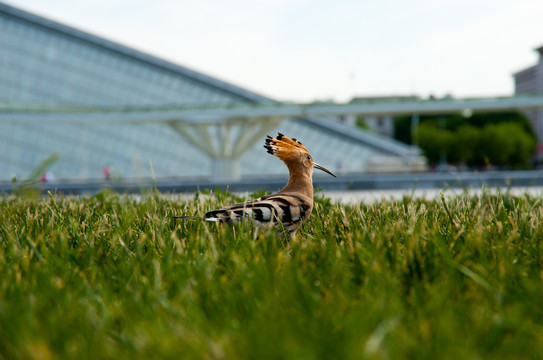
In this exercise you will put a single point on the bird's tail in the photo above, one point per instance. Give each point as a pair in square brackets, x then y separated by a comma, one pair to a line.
[186, 217]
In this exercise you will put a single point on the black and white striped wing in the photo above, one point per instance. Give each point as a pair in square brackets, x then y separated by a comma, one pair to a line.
[261, 211]
[290, 210]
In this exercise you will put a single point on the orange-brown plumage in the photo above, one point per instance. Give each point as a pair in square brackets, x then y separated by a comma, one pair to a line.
[299, 162]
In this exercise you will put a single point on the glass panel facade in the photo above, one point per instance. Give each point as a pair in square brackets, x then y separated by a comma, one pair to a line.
[44, 63]
[44, 66]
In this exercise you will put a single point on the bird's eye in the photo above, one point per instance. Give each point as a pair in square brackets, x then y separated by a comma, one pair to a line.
[308, 157]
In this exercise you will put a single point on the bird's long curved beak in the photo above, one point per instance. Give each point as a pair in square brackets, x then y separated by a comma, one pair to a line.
[317, 166]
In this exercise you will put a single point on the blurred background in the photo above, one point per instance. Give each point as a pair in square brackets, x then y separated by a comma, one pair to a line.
[118, 91]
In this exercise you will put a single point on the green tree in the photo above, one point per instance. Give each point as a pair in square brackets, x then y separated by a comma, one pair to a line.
[402, 124]
[464, 144]
[496, 144]
[506, 143]
[361, 123]
[481, 120]
[523, 144]
[433, 141]
[505, 138]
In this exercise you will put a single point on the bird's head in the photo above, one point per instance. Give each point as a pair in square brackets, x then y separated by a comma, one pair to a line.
[293, 153]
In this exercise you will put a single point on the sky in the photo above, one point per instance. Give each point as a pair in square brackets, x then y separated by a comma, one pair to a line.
[303, 50]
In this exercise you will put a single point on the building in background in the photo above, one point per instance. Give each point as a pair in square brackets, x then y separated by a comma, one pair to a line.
[48, 69]
[530, 81]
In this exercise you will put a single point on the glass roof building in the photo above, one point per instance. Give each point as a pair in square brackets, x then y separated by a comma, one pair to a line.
[47, 68]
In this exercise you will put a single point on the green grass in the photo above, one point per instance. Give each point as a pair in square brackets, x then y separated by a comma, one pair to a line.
[112, 277]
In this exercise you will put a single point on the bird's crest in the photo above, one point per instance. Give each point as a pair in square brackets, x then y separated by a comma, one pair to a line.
[284, 147]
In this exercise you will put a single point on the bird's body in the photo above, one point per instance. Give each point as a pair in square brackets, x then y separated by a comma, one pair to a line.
[290, 206]
[289, 209]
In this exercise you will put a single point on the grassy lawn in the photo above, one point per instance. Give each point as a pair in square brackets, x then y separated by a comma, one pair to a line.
[111, 276]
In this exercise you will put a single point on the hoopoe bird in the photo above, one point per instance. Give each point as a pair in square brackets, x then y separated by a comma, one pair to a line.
[293, 204]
